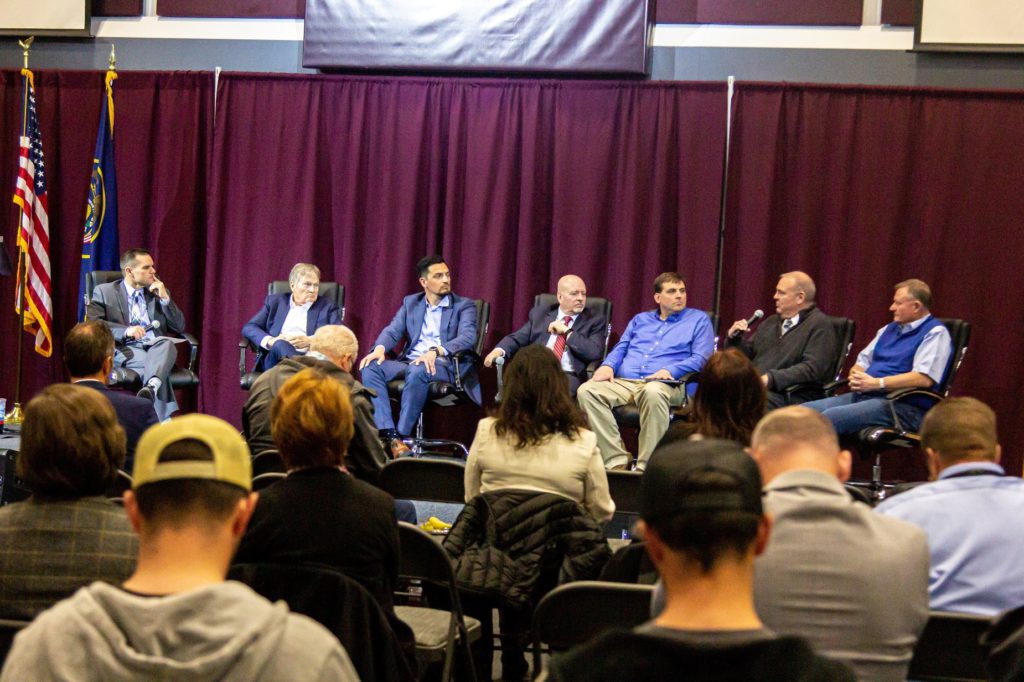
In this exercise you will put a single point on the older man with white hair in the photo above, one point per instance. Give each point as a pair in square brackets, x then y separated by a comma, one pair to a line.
[286, 322]
[333, 349]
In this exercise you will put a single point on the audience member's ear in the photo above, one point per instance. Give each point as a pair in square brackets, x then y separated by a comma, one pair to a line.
[999, 453]
[243, 512]
[131, 509]
[932, 459]
[844, 465]
[764, 531]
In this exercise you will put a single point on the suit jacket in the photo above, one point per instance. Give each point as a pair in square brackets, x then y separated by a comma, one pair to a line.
[135, 414]
[458, 333]
[586, 341]
[270, 320]
[110, 304]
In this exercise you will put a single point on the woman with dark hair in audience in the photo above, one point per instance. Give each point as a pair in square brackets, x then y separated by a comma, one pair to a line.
[729, 402]
[319, 513]
[538, 439]
[67, 534]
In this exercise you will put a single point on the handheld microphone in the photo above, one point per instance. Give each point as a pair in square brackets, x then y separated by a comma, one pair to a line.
[758, 314]
[155, 324]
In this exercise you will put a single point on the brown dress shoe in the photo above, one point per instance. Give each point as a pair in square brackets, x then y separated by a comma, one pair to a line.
[399, 448]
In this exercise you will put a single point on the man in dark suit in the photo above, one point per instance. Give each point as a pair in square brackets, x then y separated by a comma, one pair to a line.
[797, 345]
[140, 314]
[286, 323]
[89, 357]
[573, 333]
[436, 324]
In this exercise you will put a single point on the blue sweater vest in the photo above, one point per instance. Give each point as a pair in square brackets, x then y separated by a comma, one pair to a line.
[894, 353]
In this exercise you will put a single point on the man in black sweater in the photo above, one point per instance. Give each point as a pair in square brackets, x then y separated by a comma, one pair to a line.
[797, 345]
[700, 505]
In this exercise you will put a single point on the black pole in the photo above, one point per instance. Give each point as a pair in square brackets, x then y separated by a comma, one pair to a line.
[721, 207]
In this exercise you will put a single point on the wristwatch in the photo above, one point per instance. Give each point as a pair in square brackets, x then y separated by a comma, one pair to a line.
[437, 352]
[881, 383]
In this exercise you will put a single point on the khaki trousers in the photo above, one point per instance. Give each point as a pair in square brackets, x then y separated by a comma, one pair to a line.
[654, 400]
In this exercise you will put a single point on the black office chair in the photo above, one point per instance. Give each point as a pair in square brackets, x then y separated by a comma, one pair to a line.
[878, 439]
[447, 394]
[426, 479]
[263, 481]
[596, 305]
[574, 613]
[268, 461]
[950, 648]
[122, 481]
[181, 377]
[438, 633]
[332, 290]
[844, 328]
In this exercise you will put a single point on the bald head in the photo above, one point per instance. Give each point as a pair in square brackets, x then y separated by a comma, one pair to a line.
[802, 282]
[794, 292]
[571, 294]
[797, 437]
[338, 343]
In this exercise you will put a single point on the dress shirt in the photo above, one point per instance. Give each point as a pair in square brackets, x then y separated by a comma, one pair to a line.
[681, 343]
[975, 528]
[430, 332]
[294, 323]
[567, 353]
[930, 358]
[793, 321]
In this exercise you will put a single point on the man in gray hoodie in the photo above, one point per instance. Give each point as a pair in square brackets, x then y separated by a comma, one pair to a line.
[176, 618]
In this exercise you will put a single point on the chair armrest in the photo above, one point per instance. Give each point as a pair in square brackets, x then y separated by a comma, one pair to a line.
[803, 386]
[460, 358]
[831, 387]
[901, 393]
[242, 345]
[193, 350]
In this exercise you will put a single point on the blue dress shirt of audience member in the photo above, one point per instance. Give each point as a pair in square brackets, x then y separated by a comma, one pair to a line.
[436, 324]
[282, 327]
[911, 351]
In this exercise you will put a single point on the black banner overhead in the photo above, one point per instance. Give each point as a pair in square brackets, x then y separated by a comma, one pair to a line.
[591, 37]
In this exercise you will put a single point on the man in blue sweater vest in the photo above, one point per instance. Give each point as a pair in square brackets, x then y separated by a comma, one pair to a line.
[911, 351]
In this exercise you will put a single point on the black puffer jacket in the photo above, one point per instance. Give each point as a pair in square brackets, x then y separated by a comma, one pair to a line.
[516, 545]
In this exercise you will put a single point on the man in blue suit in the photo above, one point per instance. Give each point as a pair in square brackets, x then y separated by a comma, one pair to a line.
[573, 333]
[286, 323]
[436, 324]
[89, 357]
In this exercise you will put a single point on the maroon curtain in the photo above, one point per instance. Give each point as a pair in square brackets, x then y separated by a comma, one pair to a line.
[863, 187]
[163, 124]
[516, 182]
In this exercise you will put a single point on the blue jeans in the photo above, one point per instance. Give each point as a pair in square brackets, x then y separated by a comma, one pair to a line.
[278, 352]
[851, 412]
[414, 396]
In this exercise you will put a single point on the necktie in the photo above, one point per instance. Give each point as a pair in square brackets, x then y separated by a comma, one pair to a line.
[138, 308]
[559, 348]
[787, 325]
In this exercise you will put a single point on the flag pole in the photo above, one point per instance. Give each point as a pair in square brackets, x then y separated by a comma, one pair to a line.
[16, 416]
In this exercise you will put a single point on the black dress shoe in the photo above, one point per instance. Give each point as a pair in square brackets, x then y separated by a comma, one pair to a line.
[147, 393]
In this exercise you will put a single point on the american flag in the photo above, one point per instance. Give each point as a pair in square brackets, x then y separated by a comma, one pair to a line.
[34, 230]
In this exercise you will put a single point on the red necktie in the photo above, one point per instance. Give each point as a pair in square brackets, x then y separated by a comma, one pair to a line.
[559, 348]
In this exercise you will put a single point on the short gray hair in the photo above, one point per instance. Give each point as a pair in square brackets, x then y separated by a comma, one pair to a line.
[918, 290]
[300, 269]
[335, 341]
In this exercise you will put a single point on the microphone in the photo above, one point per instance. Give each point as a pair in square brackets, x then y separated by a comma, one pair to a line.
[758, 314]
[155, 324]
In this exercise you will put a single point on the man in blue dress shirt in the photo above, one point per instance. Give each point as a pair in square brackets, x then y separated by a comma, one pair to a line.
[658, 346]
[911, 351]
[973, 513]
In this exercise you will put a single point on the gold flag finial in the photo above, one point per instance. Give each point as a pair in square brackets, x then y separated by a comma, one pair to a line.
[112, 62]
[26, 45]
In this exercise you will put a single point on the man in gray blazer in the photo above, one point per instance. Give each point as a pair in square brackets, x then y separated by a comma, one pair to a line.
[852, 582]
[141, 315]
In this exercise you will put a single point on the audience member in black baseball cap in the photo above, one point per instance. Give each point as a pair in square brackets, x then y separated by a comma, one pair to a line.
[701, 513]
